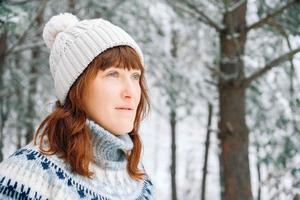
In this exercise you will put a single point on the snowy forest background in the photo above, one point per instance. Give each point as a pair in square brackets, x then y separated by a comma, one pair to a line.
[223, 78]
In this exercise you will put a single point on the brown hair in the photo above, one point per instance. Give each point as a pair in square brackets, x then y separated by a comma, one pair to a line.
[66, 128]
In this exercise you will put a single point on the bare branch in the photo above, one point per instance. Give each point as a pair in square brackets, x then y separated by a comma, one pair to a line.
[15, 2]
[270, 65]
[199, 14]
[264, 20]
[202, 14]
[27, 46]
[20, 40]
[283, 32]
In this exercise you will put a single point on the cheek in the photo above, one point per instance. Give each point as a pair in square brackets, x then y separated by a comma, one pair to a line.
[100, 96]
[94, 96]
[138, 93]
[104, 95]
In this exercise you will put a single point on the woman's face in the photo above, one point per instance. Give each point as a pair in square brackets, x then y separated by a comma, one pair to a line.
[112, 98]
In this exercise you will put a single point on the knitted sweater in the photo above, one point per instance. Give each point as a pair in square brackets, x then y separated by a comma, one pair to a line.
[28, 174]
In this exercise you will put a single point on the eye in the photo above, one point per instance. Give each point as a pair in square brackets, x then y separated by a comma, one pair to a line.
[136, 76]
[113, 74]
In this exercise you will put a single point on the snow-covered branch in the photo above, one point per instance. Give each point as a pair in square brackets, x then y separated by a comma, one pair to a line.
[23, 35]
[265, 19]
[199, 14]
[27, 46]
[270, 65]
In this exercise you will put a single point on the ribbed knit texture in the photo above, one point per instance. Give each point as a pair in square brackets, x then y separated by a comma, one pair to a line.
[28, 174]
[109, 150]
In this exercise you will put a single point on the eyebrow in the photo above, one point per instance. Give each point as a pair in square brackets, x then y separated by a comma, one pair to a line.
[119, 69]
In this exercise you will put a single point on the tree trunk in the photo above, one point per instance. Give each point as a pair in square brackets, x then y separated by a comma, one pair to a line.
[3, 111]
[233, 135]
[173, 154]
[31, 113]
[20, 103]
[234, 144]
[206, 152]
[173, 120]
[71, 5]
[296, 197]
[221, 175]
[258, 174]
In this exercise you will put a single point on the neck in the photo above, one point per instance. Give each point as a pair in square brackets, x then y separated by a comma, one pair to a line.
[109, 150]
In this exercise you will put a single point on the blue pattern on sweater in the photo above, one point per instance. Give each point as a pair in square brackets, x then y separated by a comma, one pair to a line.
[9, 188]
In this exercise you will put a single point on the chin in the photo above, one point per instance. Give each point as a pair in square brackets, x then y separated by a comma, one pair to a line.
[124, 130]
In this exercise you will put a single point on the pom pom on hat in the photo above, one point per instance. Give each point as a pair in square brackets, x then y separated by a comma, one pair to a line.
[57, 24]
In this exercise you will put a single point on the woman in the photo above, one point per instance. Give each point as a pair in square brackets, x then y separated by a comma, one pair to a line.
[89, 146]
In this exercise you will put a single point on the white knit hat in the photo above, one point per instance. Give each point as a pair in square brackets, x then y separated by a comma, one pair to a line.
[74, 44]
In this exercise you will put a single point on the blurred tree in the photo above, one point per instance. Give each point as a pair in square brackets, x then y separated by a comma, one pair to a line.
[273, 107]
[176, 51]
[33, 78]
[7, 27]
[207, 141]
[232, 30]
[174, 75]
[3, 103]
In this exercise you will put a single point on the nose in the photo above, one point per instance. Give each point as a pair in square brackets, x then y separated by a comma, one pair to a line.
[128, 88]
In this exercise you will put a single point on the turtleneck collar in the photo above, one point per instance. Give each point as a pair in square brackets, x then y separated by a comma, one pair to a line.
[109, 150]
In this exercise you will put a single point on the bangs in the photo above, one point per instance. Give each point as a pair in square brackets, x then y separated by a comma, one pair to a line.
[120, 57]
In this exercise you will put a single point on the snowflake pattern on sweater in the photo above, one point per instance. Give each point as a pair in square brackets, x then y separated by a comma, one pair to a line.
[28, 174]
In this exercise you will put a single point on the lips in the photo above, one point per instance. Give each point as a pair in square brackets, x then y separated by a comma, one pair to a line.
[124, 108]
